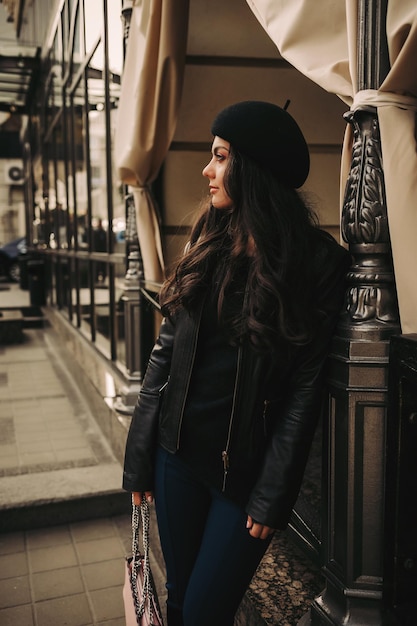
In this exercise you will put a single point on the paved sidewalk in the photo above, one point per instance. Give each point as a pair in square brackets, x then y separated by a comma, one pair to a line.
[69, 574]
[57, 565]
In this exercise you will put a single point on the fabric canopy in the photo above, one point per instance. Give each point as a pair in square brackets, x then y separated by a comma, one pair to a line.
[149, 101]
[320, 39]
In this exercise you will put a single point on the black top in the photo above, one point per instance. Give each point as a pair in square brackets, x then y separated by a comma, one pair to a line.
[204, 430]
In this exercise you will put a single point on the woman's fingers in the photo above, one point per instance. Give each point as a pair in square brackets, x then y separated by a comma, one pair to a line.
[258, 531]
[137, 497]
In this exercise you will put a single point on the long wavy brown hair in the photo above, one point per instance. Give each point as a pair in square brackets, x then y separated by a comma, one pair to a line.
[279, 302]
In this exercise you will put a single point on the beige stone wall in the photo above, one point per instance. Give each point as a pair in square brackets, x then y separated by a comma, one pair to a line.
[231, 58]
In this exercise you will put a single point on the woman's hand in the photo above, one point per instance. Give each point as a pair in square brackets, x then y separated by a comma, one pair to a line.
[259, 531]
[137, 497]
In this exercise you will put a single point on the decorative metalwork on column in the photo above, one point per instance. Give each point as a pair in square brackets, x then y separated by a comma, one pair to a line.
[372, 309]
[132, 302]
[352, 525]
[131, 295]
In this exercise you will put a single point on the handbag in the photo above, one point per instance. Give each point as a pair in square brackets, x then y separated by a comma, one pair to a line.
[139, 594]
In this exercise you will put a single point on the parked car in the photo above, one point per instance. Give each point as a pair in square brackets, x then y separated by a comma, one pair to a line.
[9, 258]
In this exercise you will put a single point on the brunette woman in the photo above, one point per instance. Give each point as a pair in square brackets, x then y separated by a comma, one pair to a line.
[225, 418]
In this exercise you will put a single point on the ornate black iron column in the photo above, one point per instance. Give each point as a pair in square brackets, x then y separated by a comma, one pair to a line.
[138, 315]
[353, 518]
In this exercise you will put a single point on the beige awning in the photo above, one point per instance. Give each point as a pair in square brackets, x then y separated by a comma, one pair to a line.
[320, 39]
[150, 97]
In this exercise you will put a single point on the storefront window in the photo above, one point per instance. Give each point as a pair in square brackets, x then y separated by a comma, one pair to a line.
[79, 208]
[61, 220]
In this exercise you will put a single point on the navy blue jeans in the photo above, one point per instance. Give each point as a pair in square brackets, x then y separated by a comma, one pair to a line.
[210, 556]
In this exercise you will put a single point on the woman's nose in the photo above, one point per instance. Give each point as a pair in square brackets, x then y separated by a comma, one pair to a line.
[206, 170]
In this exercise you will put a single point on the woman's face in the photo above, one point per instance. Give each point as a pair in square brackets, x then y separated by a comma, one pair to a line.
[215, 170]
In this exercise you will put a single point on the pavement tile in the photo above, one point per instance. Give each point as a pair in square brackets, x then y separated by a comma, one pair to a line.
[19, 393]
[8, 450]
[12, 565]
[9, 463]
[70, 443]
[23, 417]
[57, 583]
[54, 557]
[107, 603]
[6, 408]
[24, 436]
[34, 447]
[104, 574]
[124, 524]
[59, 432]
[26, 408]
[50, 405]
[37, 458]
[7, 434]
[47, 537]
[90, 530]
[12, 542]
[74, 454]
[71, 611]
[17, 616]
[99, 550]
[14, 592]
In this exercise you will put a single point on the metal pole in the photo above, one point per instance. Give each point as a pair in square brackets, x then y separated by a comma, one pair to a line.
[352, 525]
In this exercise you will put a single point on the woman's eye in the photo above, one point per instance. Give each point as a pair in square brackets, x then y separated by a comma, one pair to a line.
[219, 157]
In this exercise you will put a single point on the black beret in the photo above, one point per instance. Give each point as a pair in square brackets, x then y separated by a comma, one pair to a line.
[267, 134]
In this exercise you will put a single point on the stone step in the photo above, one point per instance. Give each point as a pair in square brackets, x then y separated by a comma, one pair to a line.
[43, 499]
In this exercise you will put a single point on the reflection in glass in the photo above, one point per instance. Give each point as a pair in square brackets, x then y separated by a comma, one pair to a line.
[115, 38]
[84, 297]
[61, 218]
[120, 311]
[98, 163]
[108, 312]
[78, 183]
[63, 278]
[102, 312]
[93, 22]
[49, 193]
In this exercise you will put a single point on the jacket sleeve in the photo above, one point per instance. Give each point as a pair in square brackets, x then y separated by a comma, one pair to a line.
[142, 436]
[278, 484]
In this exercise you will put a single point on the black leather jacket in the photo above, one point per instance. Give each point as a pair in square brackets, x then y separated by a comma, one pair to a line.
[277, 401]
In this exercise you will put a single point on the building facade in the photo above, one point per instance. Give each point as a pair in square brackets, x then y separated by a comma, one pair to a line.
[79, 219]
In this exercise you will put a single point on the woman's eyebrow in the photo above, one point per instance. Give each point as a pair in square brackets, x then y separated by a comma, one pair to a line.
[219, 147]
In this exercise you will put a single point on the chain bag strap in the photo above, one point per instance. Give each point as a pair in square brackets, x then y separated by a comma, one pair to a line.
[139, 593]
[141, 514]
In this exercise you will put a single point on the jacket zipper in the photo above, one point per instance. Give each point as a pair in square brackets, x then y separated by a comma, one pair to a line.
[164, 386]
[225, 453]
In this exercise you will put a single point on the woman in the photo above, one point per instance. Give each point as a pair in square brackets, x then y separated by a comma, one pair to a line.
[225, 418]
